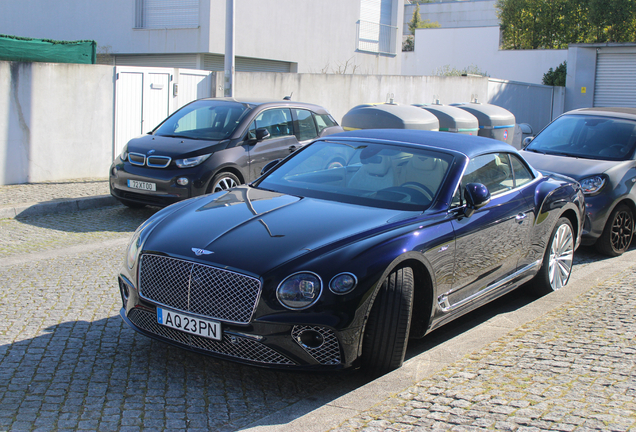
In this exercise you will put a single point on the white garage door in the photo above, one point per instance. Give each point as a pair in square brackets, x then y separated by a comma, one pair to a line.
[615, 80]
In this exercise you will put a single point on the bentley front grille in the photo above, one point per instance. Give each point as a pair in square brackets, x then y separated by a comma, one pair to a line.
[199, 289]
[232, 346]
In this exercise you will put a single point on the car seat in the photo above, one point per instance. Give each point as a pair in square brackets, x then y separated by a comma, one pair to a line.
[375, 173]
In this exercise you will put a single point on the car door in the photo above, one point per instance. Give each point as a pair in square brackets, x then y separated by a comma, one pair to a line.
[278, 145]
[490, 241]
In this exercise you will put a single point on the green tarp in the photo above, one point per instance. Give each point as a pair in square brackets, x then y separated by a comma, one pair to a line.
[19, 49]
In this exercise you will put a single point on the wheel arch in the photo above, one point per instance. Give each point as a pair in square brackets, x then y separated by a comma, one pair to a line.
[423, 293]
[570, 214]
[229, 169]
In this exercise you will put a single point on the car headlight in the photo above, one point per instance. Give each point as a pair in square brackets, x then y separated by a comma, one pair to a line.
[192, 162]
[592, 185]
[136, 242]
[124, 154]
[299, 291]
[343, 283]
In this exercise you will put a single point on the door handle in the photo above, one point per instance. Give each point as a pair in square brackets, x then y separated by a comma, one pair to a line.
[520, 217]
[292, 149]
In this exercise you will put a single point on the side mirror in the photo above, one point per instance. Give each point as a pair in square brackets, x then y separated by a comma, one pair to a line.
[527, 141]
[476, 195]
[267, 168]
[261, 134]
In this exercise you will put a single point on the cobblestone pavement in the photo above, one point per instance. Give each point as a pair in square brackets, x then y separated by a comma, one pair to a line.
[53, 231]
[572, 370]
[53, 190]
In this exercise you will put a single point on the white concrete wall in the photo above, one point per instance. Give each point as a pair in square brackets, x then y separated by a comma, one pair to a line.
[317, 35]
[56, 121]
[340, 93]
[475, 13]
[462, 48]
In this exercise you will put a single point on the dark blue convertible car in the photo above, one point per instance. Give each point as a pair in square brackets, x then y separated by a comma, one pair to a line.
[343, 251]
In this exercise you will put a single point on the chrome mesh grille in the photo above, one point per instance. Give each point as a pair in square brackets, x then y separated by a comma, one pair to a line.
[328, 353]
[232, 346]
[199, 289]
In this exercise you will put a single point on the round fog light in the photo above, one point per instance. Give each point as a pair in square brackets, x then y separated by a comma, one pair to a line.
[311, 339]
[183, 181]
[343, 283]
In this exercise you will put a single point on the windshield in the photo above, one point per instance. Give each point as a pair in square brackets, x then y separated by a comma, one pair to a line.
[204, 120]
[377, 175]
[589, 137]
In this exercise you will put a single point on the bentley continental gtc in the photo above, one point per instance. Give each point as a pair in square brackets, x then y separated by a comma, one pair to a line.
[328, 265]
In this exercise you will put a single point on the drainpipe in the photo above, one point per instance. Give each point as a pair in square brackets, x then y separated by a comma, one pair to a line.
[229, 48]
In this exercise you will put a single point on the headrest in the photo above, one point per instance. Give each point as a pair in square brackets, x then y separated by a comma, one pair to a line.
[377, 165]
[424, 163]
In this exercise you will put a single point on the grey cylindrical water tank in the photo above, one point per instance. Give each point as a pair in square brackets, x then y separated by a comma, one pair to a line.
[453, 119]
[389, 116]
[494, 121]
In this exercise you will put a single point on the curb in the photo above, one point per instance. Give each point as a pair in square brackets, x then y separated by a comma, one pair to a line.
[57, 206]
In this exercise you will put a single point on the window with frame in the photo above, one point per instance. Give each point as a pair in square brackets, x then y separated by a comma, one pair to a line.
[277, 121]
[306, 129]
[324, 121]
[521, 172]
[493, 170]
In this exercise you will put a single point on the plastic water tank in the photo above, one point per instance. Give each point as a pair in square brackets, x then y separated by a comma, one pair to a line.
[452, 119]
[389, 116]
[494, 121]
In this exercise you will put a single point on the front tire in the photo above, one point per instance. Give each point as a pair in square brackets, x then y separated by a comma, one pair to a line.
[387, 330]
[223, 181]
[557, 262]
[618, 232]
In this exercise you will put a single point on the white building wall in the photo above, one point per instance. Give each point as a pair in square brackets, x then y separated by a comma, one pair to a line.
[320, 36]
[462, 48]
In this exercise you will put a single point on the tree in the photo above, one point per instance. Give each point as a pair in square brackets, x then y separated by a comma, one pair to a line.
[533, 24]
[557, 76]
[417, 21]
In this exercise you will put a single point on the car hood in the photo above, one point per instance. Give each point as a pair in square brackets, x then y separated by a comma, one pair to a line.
[577, 168]
[173, 147]
[254, 230]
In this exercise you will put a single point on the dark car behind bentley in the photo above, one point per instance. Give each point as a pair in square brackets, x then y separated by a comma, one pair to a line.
[211, 145]
[597, 147]
[320, 265]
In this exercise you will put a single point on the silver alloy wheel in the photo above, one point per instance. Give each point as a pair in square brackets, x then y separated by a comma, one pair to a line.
[224, 183]
[561, 255]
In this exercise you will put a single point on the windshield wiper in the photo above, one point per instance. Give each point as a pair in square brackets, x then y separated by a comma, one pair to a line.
[566, 155]
[534, 150]
[178, 136]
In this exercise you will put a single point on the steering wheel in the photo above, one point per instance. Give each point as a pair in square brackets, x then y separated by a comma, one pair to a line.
[420, 188]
